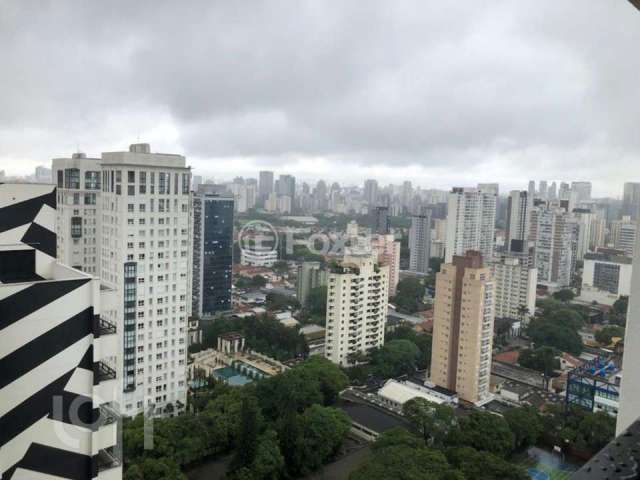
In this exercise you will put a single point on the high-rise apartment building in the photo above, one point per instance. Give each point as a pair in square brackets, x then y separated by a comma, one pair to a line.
[515, 282]
[518, 220]
[310, 276]
[212, 252]
[371, 192]
[542, 189]
[624, 233]
[463, 327]
[58, 383]
[320, 202]
[356, 307]
[582, 191]
[471, 219]
[388, 250]
[146, 256]
[380, 223]
[631, 200]
[78, 211]
[554, 235]
[286, 186]
[43, 174]
[420, 242]
[265, 185]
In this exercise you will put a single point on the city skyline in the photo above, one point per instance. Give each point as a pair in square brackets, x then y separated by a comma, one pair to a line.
[407, 99]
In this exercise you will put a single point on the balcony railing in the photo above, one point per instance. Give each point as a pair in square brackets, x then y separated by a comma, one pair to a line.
[105, 327]
[107, 459]
[108, 415]
[105, 372]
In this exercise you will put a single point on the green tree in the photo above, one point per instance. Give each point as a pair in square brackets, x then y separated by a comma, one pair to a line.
[331, 379]
[247, 439]
[397, 436]
[605, 334]
[409, 294]
[525, 424]
[269, 461]
[435, 263]
[397, 357]
[277, 301]
[280, 267]
[565, 295]
[405, 463]
[154, 469]
[484, 466]
[432, 421]
[542, 359]
[484, 431]
[324, 430]
[317, 301]
[558, 330]
[294, 390]
[621, 305]
[291, 439]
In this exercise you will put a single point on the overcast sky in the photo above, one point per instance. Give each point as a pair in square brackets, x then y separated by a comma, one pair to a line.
[439, 93]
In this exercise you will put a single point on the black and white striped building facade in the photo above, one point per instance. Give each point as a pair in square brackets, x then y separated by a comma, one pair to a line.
[58, 388]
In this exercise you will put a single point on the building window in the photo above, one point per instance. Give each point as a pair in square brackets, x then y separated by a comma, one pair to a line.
[76, 227]
[72, 178]
[92, 180]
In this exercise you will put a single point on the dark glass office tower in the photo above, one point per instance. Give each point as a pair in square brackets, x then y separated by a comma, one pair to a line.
[212, 251]
[380, 220]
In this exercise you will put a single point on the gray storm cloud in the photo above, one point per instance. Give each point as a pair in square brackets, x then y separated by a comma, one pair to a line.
[513, 89]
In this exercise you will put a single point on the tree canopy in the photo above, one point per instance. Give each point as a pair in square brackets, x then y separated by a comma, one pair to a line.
[605, 334]
[409, 294]
[434, 422]
[542, 359]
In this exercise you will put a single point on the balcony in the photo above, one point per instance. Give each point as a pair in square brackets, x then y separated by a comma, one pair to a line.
[105, 372]
[105, 327]
[108, 415]
[107, 459]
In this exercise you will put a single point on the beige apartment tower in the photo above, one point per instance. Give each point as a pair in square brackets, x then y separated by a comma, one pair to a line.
[463, 327]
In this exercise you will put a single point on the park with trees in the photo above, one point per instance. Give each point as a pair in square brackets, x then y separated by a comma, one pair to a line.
[285, 426]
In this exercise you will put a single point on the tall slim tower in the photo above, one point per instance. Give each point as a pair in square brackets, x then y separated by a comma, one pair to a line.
[356, 307]
[631, 200]
[371, 192]
[555, 236]
[518, 220]
[212, 251]
[78, 217]
[146, 252]
[265, 185]
[420, 242]
[380, 220]
[310, 276]
[463, 327]
[471, 219]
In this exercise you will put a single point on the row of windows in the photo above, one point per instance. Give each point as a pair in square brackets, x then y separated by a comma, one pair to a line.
[70, 178]
[112, 182]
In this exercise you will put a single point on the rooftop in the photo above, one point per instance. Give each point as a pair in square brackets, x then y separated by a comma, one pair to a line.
[370, 417]
[403, 392]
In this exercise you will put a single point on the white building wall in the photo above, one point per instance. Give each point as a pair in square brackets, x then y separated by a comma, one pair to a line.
[356, 308]
[146, 228]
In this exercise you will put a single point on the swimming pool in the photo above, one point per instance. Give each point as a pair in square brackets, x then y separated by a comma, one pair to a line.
[231, 376]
